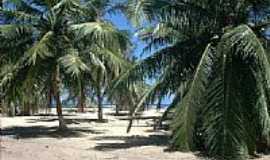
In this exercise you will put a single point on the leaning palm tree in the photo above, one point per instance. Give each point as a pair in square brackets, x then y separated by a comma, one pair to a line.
[209, 55]
[60, 39]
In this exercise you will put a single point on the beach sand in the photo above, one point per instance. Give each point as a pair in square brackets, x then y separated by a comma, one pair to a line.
[36, 138]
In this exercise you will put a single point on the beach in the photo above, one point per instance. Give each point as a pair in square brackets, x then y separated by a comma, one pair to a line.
[37, 138]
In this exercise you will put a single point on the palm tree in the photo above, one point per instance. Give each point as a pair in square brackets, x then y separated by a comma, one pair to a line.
[209, 55]
[110, 60]
[65, 40]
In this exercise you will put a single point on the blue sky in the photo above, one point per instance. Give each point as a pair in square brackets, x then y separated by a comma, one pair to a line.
[122, 23]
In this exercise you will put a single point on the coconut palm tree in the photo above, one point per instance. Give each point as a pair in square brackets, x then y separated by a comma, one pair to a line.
[61, 39]
[209, 55]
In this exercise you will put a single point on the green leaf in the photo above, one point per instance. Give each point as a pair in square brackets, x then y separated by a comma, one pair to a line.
[73, 64]
[184, 122]
[41, 49]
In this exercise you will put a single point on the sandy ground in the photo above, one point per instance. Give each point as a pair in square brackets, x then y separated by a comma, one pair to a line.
[36, 138]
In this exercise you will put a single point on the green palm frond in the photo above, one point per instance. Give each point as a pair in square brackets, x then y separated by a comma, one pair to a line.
[7, 30]
[161, 35]
[141, 10]
[6, 75]
[181, 91]
[10, 75]
[24, 6]
[114, 58]
[41, 48]
[67, 6]
[18, 15]
[14, 37]
[73, 64]
[45, 4]
[103, 34]
[241, 55]
[184, 123]
[96, 61]
[178, 56]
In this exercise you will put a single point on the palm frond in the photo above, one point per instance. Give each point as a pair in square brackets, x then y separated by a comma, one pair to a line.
[14, 37]
[184, 122]
[41, 48]
[230, 104]
[73, 64]
[103, 34]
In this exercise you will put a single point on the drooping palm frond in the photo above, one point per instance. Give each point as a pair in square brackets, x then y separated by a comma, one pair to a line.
[234, 94]
[244, 113]
[114, 59]
[7, 74]
[180, 93]
[140, 10]
[41, 48]
[12, 76]
[184, 123]
[73, 64]
[13, 37]
[160, 36]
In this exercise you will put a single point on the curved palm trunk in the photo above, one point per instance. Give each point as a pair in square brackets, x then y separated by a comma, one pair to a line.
[56, 90]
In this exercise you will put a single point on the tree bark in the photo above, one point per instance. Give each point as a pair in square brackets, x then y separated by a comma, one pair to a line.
[49, 101]
[81, 99]
[26, 109]
[56, 90]
[159, 104]
[117, 108]
[100, 111]
[11, 108]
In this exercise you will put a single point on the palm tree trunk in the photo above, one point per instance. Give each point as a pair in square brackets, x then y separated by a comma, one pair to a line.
[26, 109]
[117, 108]
[56, 90]
[11, 108]
[4, 107]
[1, 106]
[49, 101]
[81, 104]
[100, 111]
[159, 104]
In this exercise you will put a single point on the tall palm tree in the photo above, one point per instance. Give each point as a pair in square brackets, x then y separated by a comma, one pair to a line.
[61, 39]
[209, 55]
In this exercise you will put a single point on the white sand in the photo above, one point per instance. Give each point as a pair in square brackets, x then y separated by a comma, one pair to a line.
[35, 138]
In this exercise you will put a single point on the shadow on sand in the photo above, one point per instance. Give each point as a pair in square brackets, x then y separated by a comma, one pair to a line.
[130, 142]
[67, 120]
[44, 132]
